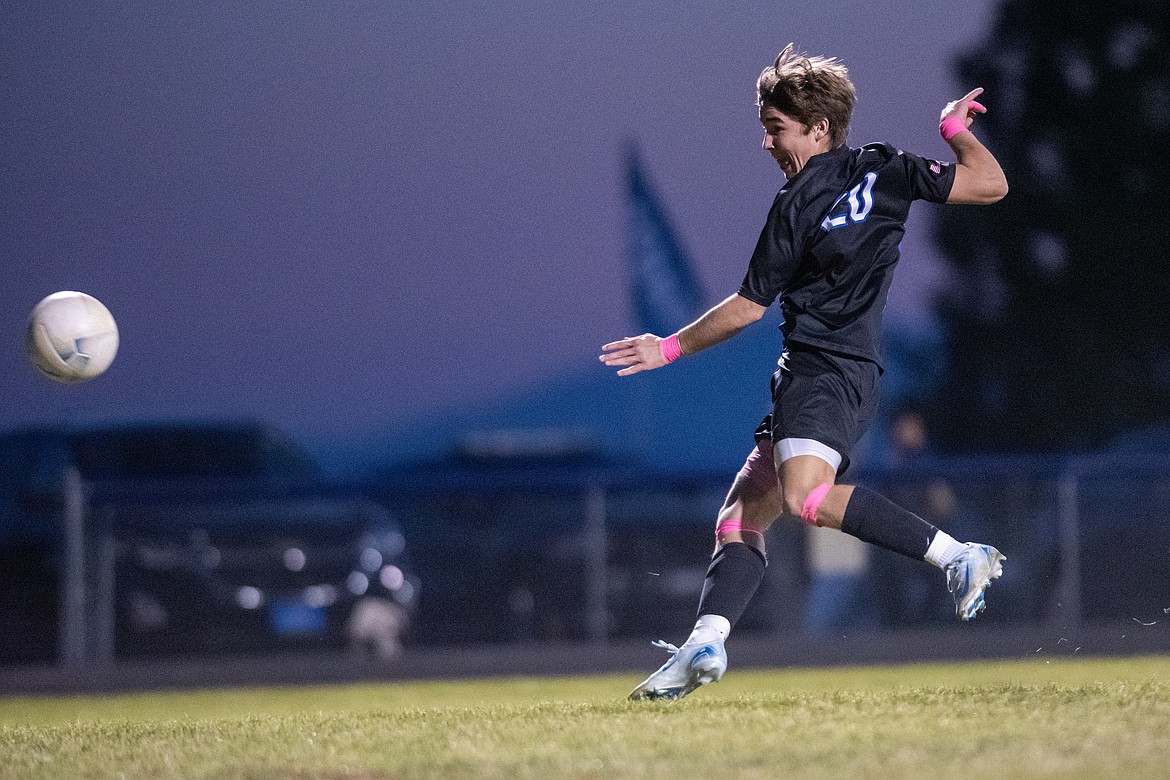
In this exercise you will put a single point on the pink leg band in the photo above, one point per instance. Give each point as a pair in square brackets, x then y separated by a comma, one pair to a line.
[727, 526]
[732, 525]
[813, 503]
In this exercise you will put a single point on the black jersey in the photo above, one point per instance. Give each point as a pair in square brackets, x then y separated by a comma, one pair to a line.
[830, 244]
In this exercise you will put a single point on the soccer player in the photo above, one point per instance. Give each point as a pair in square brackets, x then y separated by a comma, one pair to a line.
[827, 251]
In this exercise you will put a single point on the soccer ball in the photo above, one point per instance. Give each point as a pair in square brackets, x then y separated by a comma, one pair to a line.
[71, 337]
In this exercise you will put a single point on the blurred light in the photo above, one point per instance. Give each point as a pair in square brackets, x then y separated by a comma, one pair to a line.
[357, 583]
[249, 597]
[294, 559]
[320, 595]
[371, 559]
[1128, 44]
[146, 612]
[1049, 251]
[405, 593]
[1079, 74]
[391, 577]
[1047, 162]
[393, 543]
[1155, 105]
[211, 557]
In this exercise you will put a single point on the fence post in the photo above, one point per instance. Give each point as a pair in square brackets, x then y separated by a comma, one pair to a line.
[595, 564]
[104, 614]
[1068, 611]
[72, 641]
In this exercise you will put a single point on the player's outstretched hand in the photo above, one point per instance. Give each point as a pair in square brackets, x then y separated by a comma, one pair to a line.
[637, 353]
[965, 108]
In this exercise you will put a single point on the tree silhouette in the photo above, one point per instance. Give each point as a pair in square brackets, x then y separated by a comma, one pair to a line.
[1058, 319]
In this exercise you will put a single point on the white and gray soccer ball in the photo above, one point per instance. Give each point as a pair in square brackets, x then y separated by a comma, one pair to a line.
[71, 337]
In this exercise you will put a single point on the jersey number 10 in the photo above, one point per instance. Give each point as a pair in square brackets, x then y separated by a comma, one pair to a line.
[860, 203]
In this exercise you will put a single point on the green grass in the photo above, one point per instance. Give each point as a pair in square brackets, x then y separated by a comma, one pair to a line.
[1060, 718]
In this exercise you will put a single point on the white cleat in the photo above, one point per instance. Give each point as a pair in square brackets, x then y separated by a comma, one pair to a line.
[689, 667]
[969, 575]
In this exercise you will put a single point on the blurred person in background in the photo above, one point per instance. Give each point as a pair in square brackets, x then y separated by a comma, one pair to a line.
[827, 251]
[904, 590]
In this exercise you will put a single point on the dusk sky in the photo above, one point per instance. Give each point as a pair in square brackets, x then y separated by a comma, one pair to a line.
[341, 217]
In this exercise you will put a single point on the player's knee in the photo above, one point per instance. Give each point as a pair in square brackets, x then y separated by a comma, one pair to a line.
[794, 499]
[804, 502]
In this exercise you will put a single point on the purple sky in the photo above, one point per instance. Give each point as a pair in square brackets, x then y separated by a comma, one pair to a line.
[339, 217]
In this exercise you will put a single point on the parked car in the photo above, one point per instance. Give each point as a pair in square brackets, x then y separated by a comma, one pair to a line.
[293, 573]
[200, 538]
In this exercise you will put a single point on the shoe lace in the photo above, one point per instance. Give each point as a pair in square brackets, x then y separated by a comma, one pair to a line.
[667, 646]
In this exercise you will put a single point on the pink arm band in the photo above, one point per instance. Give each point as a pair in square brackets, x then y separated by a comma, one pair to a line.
[669, 346]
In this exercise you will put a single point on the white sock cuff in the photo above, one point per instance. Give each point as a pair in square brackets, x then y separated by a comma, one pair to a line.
[717, 623]
[943, 549]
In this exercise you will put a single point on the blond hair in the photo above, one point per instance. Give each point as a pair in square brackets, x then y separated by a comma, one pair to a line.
[809, 89]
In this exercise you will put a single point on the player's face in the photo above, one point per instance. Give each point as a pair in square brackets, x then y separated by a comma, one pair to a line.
[789, 143]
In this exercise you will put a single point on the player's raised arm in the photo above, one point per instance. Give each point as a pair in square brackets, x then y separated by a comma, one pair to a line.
[642, 353]
[978, 177]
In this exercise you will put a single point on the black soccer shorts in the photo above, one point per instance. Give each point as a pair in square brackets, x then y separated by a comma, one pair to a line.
[829, 398]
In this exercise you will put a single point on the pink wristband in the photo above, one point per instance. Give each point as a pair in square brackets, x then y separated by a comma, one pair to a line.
[669, 346]
[950, 127]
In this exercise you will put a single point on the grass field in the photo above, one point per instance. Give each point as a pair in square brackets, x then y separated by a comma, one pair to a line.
[1059, 718]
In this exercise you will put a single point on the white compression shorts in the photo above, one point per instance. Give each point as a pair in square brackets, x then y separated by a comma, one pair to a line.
[790, 448]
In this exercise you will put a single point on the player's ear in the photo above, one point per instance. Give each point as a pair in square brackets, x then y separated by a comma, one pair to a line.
[821, 128]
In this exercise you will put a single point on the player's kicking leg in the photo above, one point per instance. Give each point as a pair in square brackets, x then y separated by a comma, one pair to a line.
[869, 516]
[735, 573]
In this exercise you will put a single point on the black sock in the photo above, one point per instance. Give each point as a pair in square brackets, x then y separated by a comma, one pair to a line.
[733, 577]
[873, 518]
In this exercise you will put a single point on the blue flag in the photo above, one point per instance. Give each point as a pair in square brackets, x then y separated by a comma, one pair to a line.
[667, 294]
